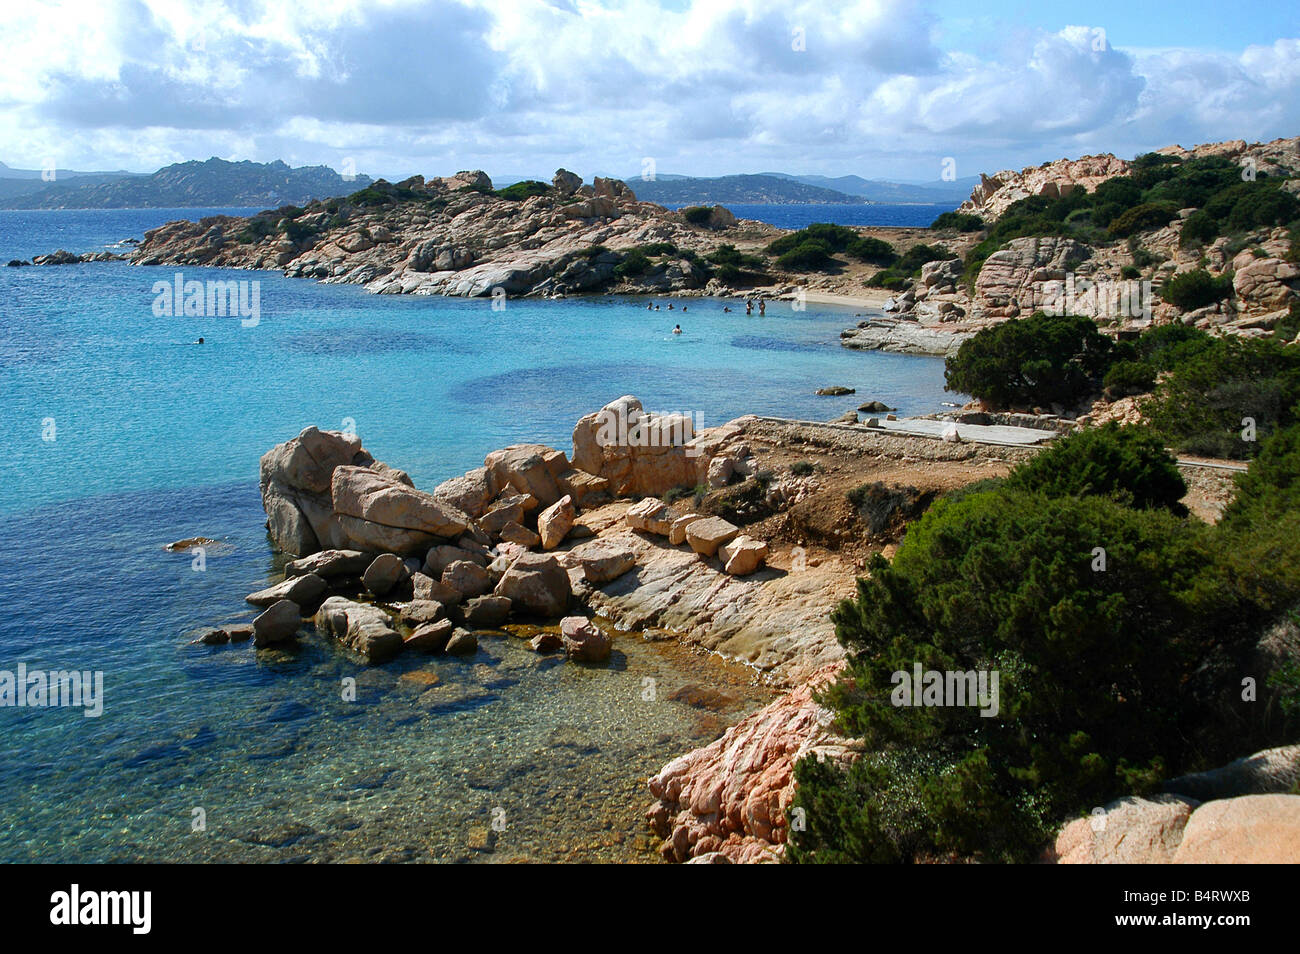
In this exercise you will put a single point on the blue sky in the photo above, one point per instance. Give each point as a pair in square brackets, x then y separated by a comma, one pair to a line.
[878, 88]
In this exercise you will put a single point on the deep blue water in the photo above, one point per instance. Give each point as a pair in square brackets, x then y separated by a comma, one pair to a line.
[155, 438]
[800, 216]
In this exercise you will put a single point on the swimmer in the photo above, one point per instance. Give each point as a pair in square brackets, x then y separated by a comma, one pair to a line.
[726, 309]
[670, 306]
[762, 307]
[677, 329]
[683, 307]
[200, 341]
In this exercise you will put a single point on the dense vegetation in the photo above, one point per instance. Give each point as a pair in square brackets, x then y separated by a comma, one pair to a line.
[1032, 361]
[958, 222]
[1119, 630]
[1150, 197]
[1224, 396]
[1218, 396]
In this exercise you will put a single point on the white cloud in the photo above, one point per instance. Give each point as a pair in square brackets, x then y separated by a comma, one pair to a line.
[711, 86]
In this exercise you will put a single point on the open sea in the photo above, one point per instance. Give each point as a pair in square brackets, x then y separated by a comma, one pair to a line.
[121, 435]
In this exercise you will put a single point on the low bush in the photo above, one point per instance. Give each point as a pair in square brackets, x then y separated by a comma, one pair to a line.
[1196, 289]
[1039, 360]
[1127, 464]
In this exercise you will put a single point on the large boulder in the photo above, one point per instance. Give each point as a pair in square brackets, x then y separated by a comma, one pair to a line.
[468, 493]
[1266, 284]
[306, 591]
[329, 564]
[531, 469]
[1267, 772]
[1127, 831]
[486, 612]
[742, 555]
[467, 578]
[365, 629]
[377, 511]
[555, 522]
[705, 536]
[536, 584]
[639, 453]
[1018, 278]
[385, 572]
[566, 182]
[296, 479]
[603, 562]
[1251, 829]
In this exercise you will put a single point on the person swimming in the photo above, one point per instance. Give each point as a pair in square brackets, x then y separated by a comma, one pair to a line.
[762, 307]
[677, 329]
[683, 307]
[726, 309]
[200, 341]
[670, 306]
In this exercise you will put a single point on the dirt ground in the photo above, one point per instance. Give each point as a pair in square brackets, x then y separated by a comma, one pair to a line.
[824, 525]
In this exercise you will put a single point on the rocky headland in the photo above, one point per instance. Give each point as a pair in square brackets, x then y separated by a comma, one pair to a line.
[456, 235]
[735, 540]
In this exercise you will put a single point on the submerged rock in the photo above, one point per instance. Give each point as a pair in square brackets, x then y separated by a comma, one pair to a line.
[365, 629]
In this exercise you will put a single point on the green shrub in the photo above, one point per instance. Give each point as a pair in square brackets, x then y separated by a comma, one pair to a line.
[807, 257]
[697, 214]
[873, 251]
[1031, 361]
[1109, 680]
[802, 468]
[1200, 226]
[634, 263]
[1288, 327]
[1127, 464]
[836, 238]
[1126, 378]
[1196, 289]
[1202, 406]
[958, 221]
[1143, 218]
[518, 191]
[1166, 346]
[1130, 272]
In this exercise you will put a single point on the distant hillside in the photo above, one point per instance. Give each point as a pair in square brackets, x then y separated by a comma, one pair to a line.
[936, 192]
[770, 189]
[194, 184]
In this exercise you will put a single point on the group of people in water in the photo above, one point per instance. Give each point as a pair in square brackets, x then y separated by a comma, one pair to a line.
[749, 310]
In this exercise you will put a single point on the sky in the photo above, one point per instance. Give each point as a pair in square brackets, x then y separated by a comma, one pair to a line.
[895, 89]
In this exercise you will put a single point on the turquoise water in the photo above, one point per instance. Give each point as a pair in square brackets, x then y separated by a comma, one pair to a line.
[156, 438]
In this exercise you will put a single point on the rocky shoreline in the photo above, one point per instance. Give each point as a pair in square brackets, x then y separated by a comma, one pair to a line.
[575, 552]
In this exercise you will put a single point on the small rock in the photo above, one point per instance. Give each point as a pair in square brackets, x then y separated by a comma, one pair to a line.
[462, 643]
[385, 572]
[430, 637]
[583, 640]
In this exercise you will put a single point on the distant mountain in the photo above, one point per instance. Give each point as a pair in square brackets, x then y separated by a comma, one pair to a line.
[194, 184]
[937, 192]
[768, 189]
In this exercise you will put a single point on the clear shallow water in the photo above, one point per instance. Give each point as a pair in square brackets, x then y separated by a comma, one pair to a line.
[157, 439]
